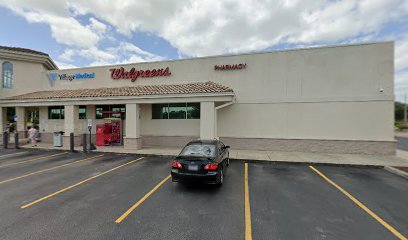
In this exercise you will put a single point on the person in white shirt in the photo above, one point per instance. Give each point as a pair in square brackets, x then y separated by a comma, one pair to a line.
[32, 135]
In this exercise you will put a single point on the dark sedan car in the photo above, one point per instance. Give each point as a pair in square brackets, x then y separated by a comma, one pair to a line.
[203, 160]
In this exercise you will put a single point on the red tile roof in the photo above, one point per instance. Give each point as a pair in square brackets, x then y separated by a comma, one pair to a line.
[187, 88]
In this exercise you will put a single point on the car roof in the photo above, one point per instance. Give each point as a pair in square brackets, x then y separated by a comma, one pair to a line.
[211, 142]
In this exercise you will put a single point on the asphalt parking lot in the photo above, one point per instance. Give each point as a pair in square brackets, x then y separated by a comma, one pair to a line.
[62, 195]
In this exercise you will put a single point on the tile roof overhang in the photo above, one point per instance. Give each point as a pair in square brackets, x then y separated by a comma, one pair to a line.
[186, 89]
[27, 55]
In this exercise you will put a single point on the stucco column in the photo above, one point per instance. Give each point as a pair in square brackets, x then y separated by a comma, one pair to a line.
[21, 121]
[71, 124]
[132, 139]
[43, 126]
[71, 119]
[2, 120]
[207, 120]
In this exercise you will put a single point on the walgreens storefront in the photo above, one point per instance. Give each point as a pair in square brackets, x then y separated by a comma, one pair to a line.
[317, 99]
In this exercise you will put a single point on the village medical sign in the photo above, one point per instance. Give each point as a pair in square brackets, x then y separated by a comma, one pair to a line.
[70, 77]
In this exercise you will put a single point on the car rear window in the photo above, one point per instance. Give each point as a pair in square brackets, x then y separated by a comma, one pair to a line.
[199, 150]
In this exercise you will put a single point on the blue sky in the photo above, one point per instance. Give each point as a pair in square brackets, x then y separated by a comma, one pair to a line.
[87, 33]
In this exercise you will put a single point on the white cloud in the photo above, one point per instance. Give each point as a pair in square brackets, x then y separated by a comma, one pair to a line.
[401, 54]
[198, 28]
[62, 65]
[65, 29]
[97, 26]
[125, 52]
[67, 55]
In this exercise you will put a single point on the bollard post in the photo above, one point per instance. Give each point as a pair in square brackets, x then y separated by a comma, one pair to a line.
[5, 139]
[16, 143]
[84, 142]
[71, 142]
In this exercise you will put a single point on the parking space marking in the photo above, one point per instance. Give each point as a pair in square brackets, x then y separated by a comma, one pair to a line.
[48, 169]
[131, 209]
[78, 183]
[361, 205]
[34, 159]
[12, 154]
[248, 225]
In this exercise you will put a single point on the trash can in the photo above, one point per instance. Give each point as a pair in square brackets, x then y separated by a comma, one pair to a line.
[58, 139]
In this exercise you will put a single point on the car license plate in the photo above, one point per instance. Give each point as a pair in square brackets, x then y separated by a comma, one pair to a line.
[193, 167]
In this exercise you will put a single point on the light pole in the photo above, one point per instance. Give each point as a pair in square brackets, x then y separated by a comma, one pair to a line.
[405, 108]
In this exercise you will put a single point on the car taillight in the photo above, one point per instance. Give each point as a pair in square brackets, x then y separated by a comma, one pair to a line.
[211, 166]
[176, 164]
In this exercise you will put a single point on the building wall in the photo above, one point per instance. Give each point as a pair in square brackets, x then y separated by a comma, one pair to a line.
[27, 77]
[327, 93]
[327, 120]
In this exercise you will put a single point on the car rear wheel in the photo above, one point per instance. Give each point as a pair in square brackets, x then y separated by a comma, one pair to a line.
[221, 181]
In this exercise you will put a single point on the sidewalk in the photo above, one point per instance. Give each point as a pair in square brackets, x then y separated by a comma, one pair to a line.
[401, 160]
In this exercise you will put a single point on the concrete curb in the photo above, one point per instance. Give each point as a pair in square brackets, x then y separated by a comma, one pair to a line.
[396, 171]
[309, 163]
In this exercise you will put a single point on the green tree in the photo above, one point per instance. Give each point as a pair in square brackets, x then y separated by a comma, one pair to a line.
[399, 112]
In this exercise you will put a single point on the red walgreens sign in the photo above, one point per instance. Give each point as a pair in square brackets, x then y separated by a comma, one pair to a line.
[121, 73]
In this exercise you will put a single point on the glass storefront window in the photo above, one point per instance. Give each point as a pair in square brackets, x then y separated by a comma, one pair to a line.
[193, 110]
[160, 111]
[10, 111]
[176, 111]
[110, 111]
[56, 112]
[32, 115]
[82, 112]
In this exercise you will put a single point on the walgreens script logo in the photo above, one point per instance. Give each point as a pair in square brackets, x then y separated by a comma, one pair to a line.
[133, 73]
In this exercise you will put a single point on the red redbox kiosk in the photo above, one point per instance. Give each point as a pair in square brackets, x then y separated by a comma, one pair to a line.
[109, 133]
[100, 135]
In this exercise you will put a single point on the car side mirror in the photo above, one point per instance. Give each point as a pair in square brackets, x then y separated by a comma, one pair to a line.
[226, 147]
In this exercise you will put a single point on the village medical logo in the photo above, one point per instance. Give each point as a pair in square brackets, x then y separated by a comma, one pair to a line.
[69, 77]
[51, 78]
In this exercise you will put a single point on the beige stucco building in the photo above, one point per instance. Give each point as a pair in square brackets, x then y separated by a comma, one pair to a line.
[326, 99]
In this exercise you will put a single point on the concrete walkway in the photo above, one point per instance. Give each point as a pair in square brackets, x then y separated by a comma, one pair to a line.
[401, 159]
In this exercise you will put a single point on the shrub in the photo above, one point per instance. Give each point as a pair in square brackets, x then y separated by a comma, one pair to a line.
[401, 126]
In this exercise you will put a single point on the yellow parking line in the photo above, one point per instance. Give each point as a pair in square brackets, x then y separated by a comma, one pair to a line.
[34, 159]
[12, 154]
[48, 169]
[130, 210]
[248, 225]
[78, 183]
[362, 206]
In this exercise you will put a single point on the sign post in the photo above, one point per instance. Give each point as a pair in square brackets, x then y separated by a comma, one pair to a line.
[90, 133]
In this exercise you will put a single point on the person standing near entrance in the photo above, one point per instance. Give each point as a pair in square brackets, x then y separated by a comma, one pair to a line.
[32, 135]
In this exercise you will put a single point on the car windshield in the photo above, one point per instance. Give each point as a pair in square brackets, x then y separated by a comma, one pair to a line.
[199, 150]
